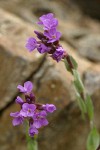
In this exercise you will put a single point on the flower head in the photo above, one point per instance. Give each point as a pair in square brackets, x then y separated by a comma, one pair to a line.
[48, 40]
[30, 110]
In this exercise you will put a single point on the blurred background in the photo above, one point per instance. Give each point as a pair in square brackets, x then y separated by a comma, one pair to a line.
[79, 22]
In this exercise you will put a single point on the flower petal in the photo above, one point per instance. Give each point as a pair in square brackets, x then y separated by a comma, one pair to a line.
[17, 121]
[28, 86]
[21, 88]
[15, 114]
[31, 44]
[37, 123]
[19, 100]
[32, 131]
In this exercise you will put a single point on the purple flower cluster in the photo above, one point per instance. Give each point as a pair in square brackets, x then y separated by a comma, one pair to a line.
[35, 113]
[48, 41]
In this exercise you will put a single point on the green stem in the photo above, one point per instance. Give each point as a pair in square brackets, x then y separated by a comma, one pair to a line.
[31, 141]
[85, 103]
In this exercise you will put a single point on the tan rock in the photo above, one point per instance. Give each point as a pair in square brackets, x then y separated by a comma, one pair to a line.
[11, 137]
[16, 63]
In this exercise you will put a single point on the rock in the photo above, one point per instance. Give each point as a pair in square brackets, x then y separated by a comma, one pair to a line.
[92, 79]
[32, 9]
[90, 7]
[89, 47]
[92, 84]
[11, 137]
[64, 131]
[16, 64]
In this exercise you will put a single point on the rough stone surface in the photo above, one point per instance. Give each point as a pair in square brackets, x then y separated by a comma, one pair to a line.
[11, 137]
[89, 47]
[92, 79]
[15, 62]
[90, 7]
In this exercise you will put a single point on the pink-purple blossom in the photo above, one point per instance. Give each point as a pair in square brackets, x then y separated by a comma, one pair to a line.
[18, 118]
[42, 48]
[58, 54]
[27, 88]
[48, 21]
[30, 110]
[48, 40]
[49, 108]
[53, 35]
[40, 119]
[31, 44]
[32, 130]
[19, 100]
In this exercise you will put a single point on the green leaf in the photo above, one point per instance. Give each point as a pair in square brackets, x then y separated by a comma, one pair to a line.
[93, 140]
[81, 104]
[73, 62]
[77, 81]
[67, 66]
[90, 108]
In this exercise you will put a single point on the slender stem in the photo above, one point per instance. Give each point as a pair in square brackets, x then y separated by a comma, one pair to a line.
[31, 141]
[81, 93]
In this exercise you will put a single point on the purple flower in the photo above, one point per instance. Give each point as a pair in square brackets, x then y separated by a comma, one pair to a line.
[32, 130]
[31, 44]
[43, 49]
[28, 110]
[18, 119]
[50, 108]
[40, 119]
[52, 35]
[44, 17]
[19, 100]
[27, 88]
[48, 21]
[58, 54]
[31, 111]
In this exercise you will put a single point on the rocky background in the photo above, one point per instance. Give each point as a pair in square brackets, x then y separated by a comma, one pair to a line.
[79, 22]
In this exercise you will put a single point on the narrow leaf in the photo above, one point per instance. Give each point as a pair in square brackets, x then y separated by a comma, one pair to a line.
[93, 140]
[73, 62]
[89, 105]
[81, 104]
[77, 81]
[67, 66]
